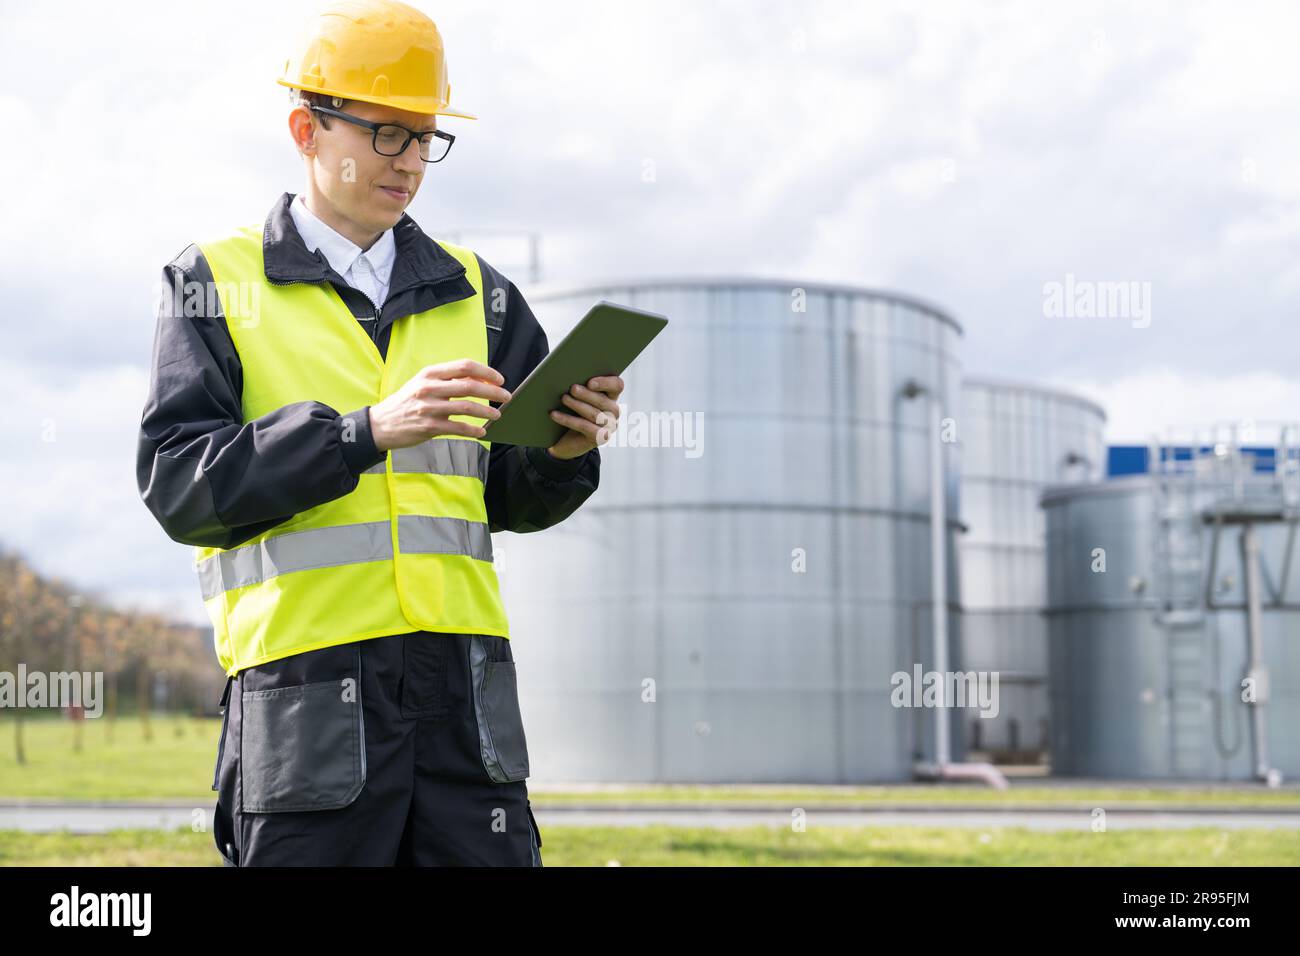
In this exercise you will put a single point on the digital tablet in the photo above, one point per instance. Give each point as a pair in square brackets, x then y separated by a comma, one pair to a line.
[605, 342]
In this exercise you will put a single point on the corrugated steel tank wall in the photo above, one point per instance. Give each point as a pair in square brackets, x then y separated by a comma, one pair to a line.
[663, 632]
[1130, 698]
[1016, 440]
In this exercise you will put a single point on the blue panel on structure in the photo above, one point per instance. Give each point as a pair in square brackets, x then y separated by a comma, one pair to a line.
[1133, 459]
[1126, 460]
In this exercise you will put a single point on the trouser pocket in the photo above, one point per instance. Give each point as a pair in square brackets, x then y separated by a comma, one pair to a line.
[303, 745]
[502, 744]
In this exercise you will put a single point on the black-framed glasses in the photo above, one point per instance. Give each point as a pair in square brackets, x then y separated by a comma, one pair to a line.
[389, 139]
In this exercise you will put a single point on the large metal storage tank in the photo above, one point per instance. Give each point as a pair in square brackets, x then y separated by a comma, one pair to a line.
[665, 632]
[1146, 669]
[1016, 439]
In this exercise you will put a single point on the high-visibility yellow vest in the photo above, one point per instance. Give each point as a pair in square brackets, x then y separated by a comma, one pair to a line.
[408, 549]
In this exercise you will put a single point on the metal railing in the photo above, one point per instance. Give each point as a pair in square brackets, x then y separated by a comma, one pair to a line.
[1207, 476]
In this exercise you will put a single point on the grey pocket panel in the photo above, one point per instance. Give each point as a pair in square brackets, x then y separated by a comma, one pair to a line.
[496, 707]
[225, 725]
[302, 747]
[537, 836]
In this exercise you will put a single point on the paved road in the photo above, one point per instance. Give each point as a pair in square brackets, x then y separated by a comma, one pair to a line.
[1036, 819]
[34, 816]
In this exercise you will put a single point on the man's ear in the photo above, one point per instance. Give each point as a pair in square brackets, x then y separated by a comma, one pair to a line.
[302, 127]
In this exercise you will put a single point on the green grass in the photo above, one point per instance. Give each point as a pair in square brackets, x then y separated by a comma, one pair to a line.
[750, 846]
[178, 763]
[118, 848]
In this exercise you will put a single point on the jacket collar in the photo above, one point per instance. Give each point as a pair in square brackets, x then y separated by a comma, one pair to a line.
[420, 260]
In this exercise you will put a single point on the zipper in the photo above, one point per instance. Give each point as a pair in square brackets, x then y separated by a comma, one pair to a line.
[296, 281]
[378, 311]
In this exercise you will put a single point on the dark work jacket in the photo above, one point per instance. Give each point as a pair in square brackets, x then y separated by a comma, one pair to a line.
[215, 481]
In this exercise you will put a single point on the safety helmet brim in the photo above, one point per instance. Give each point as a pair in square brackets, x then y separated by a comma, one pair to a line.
[412, 104]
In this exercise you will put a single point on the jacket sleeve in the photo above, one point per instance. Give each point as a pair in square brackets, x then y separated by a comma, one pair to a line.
[528, 489]
[210, 478]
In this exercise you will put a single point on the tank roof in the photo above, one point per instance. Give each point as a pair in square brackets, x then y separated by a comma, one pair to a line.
[545, 291]
[1090, 489]
[991, 382]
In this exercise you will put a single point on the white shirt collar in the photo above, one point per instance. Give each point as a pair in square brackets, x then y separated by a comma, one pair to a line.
[340, 251]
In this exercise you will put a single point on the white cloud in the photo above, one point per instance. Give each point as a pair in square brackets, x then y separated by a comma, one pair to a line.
[963, 152]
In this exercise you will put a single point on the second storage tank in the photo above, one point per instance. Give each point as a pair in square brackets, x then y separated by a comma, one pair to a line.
[1017, 439]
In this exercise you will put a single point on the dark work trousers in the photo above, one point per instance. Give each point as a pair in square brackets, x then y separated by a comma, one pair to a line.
[405, 750]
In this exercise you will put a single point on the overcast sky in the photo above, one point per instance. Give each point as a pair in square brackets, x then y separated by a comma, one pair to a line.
[967, 153]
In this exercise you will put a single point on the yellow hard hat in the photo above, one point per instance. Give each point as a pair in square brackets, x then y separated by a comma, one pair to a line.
[376, 51]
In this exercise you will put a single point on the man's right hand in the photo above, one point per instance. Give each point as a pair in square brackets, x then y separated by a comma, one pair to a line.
[422, 408]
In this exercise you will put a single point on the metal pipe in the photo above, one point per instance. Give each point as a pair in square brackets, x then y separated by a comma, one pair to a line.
[942, 766]
[1073, 458]
[1257, 672]
[939, 574]
[963, 771]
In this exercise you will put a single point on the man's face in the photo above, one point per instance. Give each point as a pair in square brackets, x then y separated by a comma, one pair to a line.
[361, 185]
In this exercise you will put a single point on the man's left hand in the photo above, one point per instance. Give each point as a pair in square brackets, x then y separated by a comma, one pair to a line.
[593, 418]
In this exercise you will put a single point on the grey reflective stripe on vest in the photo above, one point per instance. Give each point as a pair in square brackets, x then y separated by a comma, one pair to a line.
[440, 456]
[418, 534]
[341, 544]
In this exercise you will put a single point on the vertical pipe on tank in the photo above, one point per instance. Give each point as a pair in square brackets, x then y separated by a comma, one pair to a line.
[939, 575]
[1254, 623]
[942, 768]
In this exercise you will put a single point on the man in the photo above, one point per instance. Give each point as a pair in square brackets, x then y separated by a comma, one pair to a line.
[320, 387]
